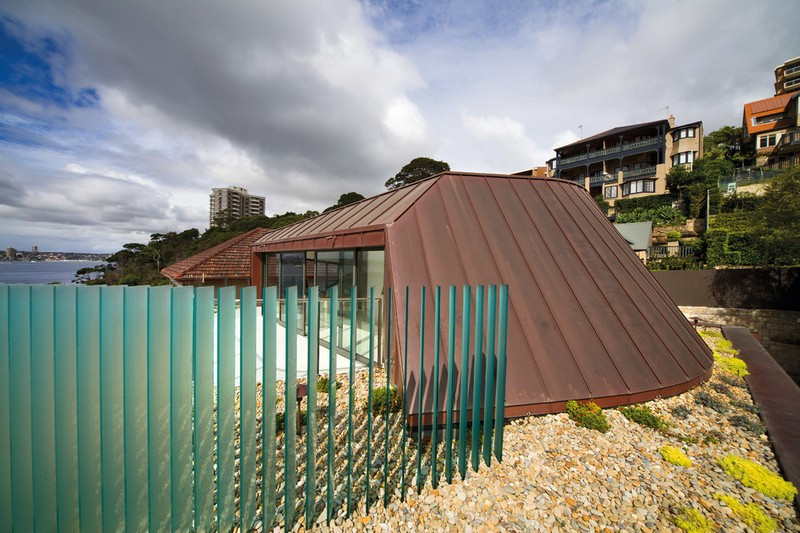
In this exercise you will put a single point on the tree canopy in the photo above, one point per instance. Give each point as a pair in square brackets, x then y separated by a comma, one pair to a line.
[345, 199]
[726, 143]
[417, 169]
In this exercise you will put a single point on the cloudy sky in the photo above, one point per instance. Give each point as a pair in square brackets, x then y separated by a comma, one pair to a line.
[117, 118]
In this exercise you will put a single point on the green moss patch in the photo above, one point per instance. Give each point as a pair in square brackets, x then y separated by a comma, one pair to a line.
[674, 455]
[751, 514]
[691, 521]
[734, 365]
[755, 476]
[588, 415]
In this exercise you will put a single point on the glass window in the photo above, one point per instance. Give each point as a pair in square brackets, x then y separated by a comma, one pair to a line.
[369, 272]
[610, 192]
[335, 268]
[291, 272]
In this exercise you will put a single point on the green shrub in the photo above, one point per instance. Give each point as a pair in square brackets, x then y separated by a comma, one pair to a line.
[744, 248]
[379, 401]
[681, 412]
[706, 400]
[642, 415]
[323, 384]
[280, 420]
[747, 423]
[674, 455]
[751, 514]
[673, 263]
[673, 235]
[691, 521]
[688, 439]
[713, 437]
[588, 415]
[755, 476]
[733, 381]
[743, 201]
[653, 201]
[716, 247]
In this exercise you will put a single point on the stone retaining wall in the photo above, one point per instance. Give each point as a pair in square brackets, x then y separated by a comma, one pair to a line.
[779, 331]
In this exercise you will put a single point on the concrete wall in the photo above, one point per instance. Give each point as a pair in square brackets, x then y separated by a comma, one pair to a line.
[750, 288]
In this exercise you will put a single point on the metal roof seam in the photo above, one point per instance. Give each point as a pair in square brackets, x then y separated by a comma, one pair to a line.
[637, 265]
[544, 298]
[564, 276]
[630, 298]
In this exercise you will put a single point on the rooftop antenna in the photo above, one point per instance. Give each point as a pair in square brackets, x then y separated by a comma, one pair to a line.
[667, 108]
[580, 127]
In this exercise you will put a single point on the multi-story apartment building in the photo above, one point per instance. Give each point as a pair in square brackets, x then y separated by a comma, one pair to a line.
[787, 77]
[236, 201]
[772, 126]
[629, 161]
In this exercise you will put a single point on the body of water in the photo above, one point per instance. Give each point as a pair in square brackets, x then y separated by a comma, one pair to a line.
[42, 271]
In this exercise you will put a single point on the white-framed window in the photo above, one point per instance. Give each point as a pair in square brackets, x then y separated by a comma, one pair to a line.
[638, 186]
[683, 133]
[765, 141]
[791, 83]
[611, 191]
[682, 158]
[791, 70]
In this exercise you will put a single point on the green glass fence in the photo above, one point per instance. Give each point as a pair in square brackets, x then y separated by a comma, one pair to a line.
[161, 408]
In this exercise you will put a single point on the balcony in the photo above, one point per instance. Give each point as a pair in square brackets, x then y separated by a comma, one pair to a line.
[629, 174]
[627, 148]
[601, 178]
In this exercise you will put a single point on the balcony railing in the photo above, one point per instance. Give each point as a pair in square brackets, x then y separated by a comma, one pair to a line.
[601, 178]
[638, 172]
[675, 250]
[613, 150]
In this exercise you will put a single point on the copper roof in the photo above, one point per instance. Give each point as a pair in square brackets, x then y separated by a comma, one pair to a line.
[586, 320]
[230, 260]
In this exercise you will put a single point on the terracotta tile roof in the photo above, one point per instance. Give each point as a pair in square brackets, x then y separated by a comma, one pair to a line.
[765, 107]
[231, 259]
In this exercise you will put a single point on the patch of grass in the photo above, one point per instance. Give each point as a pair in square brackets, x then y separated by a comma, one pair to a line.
[588, 415]
[706, 400]
[755, 476]
[681, 412]
[734, 365]
[692, 521]
[642, 415]
[379, 401]
[747, 423]
[751, 514]
[674, 455]
[722, 389]
[324, 385]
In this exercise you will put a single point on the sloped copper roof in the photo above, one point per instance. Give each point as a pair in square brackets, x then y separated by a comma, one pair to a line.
[586, 319]
[230, 260]
[371, 213]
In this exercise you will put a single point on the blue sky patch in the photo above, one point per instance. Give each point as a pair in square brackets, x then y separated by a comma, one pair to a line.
[31, 68]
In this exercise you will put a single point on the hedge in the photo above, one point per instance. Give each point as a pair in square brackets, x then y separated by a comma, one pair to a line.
[646, 202]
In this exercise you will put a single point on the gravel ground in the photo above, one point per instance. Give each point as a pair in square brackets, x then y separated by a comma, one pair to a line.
[556, 475]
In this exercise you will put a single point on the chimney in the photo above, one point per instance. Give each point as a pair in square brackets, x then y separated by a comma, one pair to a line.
[671, 120]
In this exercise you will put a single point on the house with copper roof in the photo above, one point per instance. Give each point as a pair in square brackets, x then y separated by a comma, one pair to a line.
[586, 319]
[224, 265]
[628, 161]
[772, 126]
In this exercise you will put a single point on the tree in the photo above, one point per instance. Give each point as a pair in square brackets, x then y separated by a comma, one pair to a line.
[345, 199]
[726, 143]
[417, 169]
[779, 216]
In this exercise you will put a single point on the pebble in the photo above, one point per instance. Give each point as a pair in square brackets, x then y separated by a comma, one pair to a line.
[558, 476]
